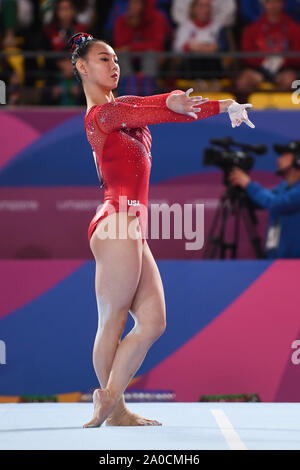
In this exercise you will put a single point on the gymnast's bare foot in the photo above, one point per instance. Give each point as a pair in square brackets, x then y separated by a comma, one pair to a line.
[104, 403]
[128, 418]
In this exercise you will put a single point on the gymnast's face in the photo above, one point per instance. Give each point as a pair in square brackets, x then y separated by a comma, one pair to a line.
[100, 66]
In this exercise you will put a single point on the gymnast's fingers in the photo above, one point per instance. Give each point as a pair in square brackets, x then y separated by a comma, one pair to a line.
[249, 123]
[193, 115]
[204, 100]
[188, 92]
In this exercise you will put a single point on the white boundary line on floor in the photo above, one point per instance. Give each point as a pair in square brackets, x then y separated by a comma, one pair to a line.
[231, 436]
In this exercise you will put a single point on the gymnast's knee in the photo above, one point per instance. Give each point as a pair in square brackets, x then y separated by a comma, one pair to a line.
[152, 331]
[114, 323]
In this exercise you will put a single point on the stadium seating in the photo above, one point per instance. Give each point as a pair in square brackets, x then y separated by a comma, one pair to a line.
[278, 100]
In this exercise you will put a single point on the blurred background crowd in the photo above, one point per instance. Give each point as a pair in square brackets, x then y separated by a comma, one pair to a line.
[234, 46]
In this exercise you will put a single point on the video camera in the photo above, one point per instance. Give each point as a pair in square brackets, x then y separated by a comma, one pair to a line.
[227, 158]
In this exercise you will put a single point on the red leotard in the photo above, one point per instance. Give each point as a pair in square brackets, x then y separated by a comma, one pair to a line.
[121, 141]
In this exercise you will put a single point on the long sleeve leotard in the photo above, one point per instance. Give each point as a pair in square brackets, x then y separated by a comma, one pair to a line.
[121, 142]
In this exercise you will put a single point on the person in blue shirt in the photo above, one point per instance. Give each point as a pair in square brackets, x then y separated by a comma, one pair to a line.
[282, 201]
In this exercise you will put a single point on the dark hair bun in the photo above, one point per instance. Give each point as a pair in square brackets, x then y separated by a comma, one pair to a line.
[78, 39]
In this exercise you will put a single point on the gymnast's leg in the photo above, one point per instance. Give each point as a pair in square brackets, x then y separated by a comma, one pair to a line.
[149, 313]
[118, 270]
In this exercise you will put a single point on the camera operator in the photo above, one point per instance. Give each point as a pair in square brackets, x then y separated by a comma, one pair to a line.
[282, 201]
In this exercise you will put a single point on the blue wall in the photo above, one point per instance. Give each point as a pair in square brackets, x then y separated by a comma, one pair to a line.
[62, 156]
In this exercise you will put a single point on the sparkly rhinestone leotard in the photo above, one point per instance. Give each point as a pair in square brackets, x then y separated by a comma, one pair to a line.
[121, 143]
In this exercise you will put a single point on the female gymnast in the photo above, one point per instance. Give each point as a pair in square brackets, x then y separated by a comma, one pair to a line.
[127, 278]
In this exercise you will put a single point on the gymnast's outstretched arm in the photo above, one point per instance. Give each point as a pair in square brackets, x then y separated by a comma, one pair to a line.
[177, 106]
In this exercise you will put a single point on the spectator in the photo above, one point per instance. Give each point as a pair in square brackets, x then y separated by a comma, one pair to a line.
[276, 32]
[251, 11]
[223, 12]
[17, 13]
[63, 25]
[22, 32]
[199, 34]
[19, 19]
[85, 10]
[282, 201]
[64, 89]
[142, 29]
[12, 41]
[13, 87]
[119, 7]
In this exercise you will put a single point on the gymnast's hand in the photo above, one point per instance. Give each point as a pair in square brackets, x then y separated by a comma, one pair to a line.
[238, 114]
[183, 104]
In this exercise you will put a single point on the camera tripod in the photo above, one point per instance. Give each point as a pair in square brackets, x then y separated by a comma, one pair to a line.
[236, 202]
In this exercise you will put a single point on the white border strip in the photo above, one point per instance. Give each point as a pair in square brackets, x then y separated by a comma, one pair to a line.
[231, 436]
